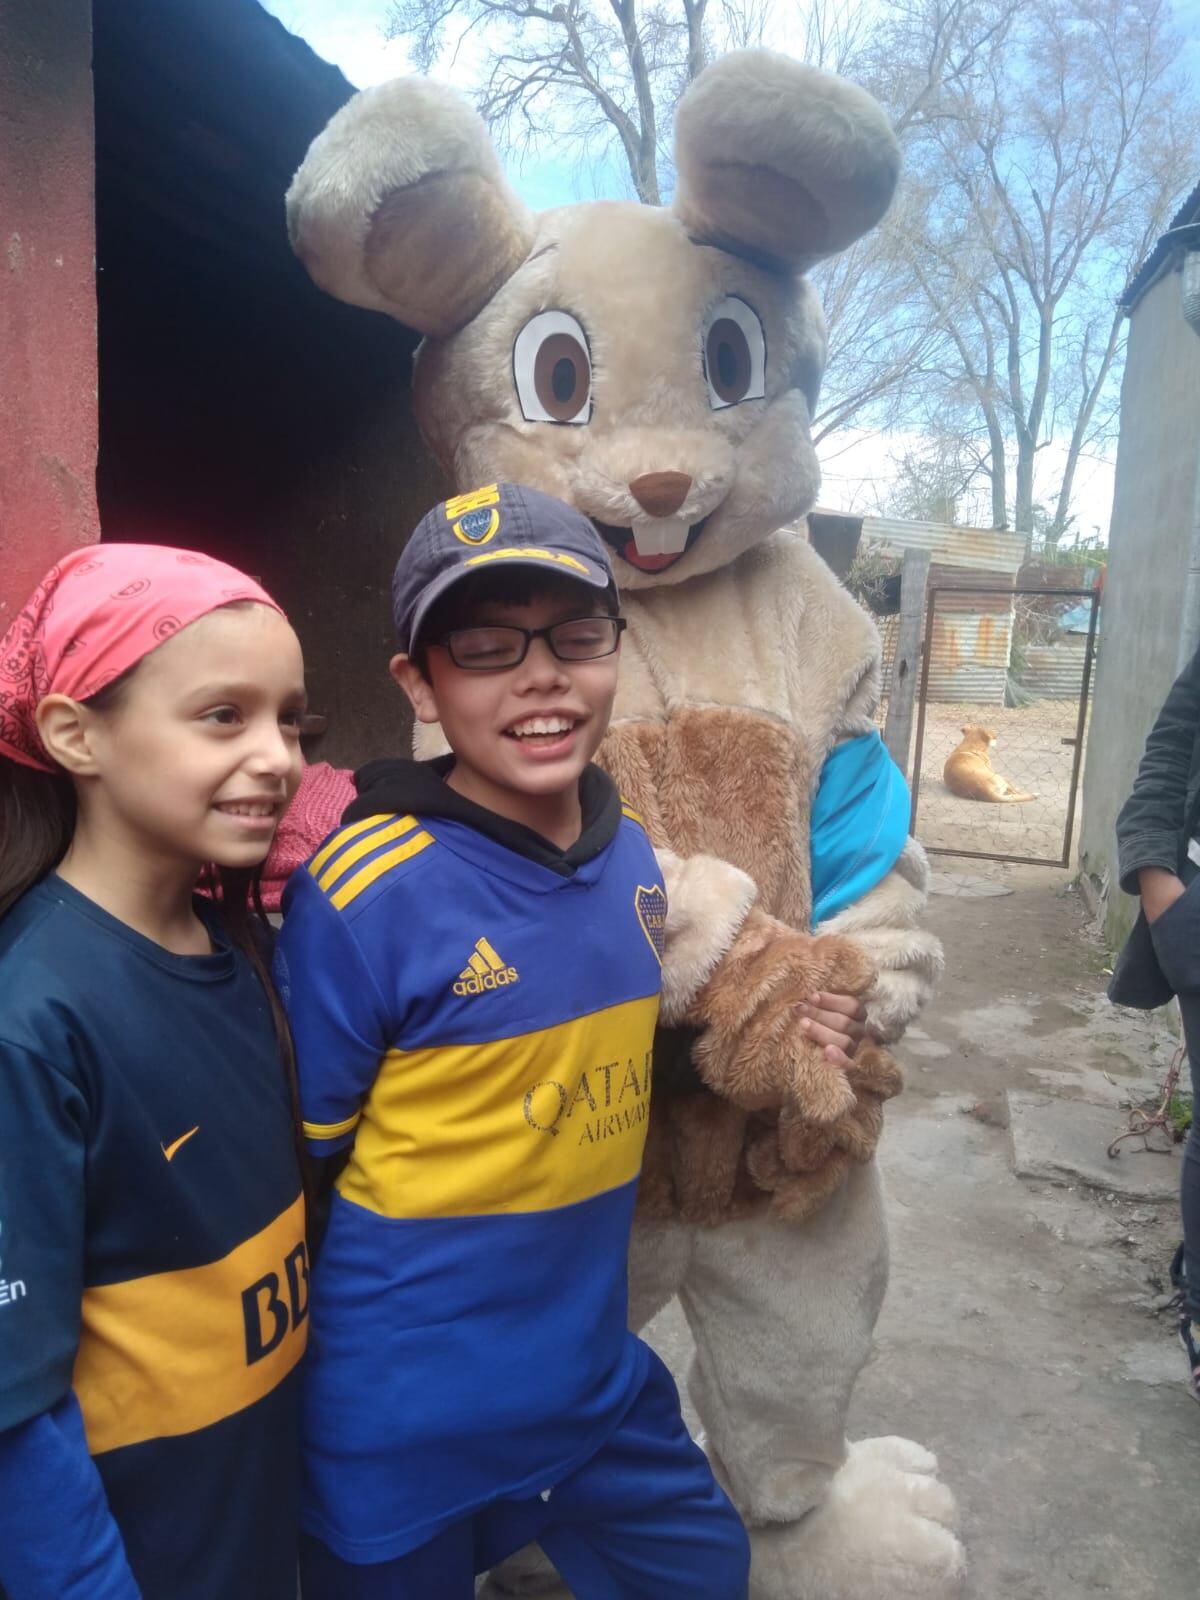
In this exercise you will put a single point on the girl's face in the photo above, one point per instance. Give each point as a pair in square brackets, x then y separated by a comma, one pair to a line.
[200, 754]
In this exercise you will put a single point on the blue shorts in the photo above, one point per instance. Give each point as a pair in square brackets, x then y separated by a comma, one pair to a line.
[644, 1519]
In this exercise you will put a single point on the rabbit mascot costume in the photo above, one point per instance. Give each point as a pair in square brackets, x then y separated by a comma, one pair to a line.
[659, 368]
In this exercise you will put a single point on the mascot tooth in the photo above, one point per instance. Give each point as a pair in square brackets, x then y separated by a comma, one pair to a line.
[667, 361]
[660, 536]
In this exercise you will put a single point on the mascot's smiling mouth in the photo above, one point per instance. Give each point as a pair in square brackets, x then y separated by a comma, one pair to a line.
[622, 541]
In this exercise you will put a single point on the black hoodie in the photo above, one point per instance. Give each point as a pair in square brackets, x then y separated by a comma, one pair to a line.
[394, 785]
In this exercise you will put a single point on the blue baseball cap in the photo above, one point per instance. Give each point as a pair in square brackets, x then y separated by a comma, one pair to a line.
[502, 524]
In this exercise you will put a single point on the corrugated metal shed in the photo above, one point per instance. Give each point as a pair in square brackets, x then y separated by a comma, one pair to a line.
[972, 634]
[989, 553]
[968, 655]
[1055, 671]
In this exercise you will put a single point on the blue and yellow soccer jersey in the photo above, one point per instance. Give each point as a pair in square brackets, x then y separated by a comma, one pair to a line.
[474, 1012]
[152, 1256]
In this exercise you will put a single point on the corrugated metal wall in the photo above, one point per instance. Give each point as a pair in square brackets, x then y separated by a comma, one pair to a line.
[972, 635]
[1054, 671]
[969, 650]
[987, 550]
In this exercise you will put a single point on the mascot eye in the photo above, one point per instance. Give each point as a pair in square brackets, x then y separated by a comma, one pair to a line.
[735, 354]
[553, 369]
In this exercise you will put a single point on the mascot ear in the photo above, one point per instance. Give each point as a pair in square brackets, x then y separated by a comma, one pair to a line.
[780, 162]
[400, 206]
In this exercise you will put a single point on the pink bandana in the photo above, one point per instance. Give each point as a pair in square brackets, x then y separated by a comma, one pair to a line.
[95, 615]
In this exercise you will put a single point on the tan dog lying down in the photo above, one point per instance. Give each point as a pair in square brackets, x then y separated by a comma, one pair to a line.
[969, 774]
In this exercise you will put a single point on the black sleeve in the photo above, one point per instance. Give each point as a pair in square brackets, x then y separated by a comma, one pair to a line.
[1152, 820]
[43, 1138]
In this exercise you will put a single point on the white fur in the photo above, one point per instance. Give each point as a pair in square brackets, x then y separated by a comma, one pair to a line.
[887, 1527]
[826, 143]
[826, 1521]
[908, 960]
[387, 138]
[707, 902]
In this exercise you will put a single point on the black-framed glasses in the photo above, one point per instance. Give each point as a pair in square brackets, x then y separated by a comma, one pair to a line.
[494, 649]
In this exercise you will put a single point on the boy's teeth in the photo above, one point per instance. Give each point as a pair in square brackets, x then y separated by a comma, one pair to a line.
[542, 725]
[248, 810]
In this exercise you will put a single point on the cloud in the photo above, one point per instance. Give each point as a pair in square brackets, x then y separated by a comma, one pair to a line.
[858, 472]
[350, 34]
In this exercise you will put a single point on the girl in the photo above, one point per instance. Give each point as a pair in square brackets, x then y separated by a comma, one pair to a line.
[153, 1273]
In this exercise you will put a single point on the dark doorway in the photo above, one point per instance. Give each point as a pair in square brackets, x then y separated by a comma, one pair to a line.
[242, 411]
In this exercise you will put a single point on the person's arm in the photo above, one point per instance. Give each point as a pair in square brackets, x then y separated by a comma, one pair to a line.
[58, 1540]
[1152, 820]
[337, 1016]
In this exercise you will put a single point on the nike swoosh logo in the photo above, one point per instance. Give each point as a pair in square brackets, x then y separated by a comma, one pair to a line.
[169, 1150]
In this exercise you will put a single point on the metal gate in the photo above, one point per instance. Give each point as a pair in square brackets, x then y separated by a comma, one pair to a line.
[1017, 664]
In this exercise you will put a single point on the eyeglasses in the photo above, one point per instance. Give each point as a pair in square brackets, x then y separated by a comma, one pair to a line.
[493, 649]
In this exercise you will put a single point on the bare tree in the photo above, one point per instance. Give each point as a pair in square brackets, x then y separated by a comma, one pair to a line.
[594, 75]
[1045, 142]
[587, 72]
[1041, 180]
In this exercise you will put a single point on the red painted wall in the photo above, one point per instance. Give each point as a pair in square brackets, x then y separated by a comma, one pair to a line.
[48, 406]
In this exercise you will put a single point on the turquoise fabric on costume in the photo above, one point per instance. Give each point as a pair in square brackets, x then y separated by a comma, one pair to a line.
[859, 824]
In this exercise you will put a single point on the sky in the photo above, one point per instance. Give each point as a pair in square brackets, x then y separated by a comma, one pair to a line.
[856, 464]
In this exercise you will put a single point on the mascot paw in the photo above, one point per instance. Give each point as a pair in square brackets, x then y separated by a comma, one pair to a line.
[887, 1526]
[753, 1048]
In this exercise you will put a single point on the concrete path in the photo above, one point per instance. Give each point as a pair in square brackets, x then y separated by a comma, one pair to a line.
[1024, 1337]
[1020, 1338]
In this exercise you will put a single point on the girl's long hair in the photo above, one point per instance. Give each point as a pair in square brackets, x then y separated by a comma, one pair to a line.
[237, 892]
[37, 821]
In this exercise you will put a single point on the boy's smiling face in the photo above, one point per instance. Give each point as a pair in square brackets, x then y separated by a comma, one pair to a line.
[522, 735]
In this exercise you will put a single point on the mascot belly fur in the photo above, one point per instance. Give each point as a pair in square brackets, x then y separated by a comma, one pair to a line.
[659, 369]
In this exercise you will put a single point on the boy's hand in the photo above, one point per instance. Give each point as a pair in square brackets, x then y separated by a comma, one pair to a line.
[838, 1022]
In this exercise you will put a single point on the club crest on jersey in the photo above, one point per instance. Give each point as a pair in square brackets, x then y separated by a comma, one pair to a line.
[651, 908]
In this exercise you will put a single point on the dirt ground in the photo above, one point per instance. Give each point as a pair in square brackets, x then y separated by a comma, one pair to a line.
[1030, 753]
[1025, 1336]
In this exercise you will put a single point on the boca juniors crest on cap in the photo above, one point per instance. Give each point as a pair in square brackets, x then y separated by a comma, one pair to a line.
[458, 538]
[475, 517]
[651, 907]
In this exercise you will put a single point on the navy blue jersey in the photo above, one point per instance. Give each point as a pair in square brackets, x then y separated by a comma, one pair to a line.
[476, 1023]
[152, 1253]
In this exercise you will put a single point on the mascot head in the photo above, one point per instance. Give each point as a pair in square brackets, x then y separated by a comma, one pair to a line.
[658, 368]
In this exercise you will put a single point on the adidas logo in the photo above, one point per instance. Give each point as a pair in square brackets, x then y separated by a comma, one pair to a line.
[484, 971]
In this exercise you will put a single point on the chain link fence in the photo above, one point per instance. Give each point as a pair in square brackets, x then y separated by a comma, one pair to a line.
[1005, 681]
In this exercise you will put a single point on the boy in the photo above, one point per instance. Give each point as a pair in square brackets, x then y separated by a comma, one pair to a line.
[472, 969]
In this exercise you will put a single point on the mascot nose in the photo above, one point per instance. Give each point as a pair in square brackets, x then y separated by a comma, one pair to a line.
[660, 494]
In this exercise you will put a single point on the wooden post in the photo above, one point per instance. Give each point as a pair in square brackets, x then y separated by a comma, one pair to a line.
[914, 580]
